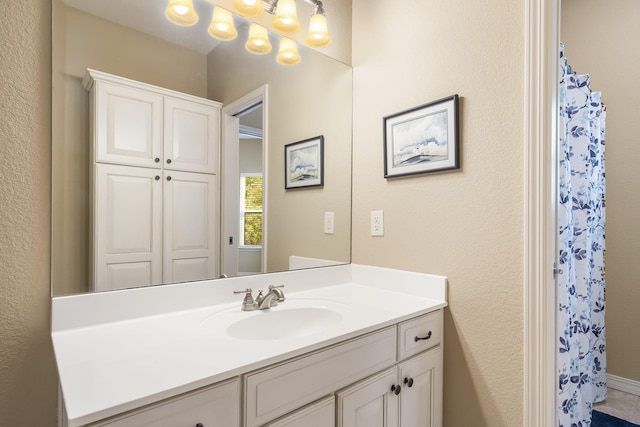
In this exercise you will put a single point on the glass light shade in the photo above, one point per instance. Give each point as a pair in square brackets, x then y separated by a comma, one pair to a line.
[288, 53]
[286, 19]
[181, 12]
[318, 35]
[222, 26]
[258, 40]
[248, 8]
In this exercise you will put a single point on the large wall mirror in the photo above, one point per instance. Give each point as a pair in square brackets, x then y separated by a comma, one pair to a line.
[302, 101]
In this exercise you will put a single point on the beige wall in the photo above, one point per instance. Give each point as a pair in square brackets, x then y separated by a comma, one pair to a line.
[28, 383]
[309, 99]
[467, 224]
[603, 39]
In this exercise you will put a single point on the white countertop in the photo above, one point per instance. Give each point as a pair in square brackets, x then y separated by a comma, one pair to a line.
[111, 360]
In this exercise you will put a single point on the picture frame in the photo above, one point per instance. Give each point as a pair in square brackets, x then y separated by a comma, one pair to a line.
[422, 139]
[304, 163]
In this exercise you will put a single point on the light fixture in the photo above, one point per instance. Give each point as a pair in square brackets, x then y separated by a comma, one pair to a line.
[258, 40]
[286, 20]
[318, 35]
[181, 12]
[222, 26]
[248, 8]
[288, 53]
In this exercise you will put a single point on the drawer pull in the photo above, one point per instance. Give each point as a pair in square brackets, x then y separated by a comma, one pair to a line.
[408, 382]
[417, 338]
[396, 389]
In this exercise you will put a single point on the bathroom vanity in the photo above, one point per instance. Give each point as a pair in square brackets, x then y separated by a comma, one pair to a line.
[350, 345]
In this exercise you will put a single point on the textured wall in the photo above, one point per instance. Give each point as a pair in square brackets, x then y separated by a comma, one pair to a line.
[603, 39]
[468, 224]
[28, 380]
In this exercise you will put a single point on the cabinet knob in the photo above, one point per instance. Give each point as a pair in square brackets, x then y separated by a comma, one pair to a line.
[396, 389]
[408, 382]
[169, 179]
[199, 425]
[157, 160]
[168, 161]
[157, 177]
[417, 338]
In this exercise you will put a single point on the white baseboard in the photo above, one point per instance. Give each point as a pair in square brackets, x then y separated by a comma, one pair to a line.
[623, 384]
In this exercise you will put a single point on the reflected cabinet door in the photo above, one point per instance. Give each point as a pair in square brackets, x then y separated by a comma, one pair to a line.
[127, 229]
[127, 125]
[190, 220]
[191, 135]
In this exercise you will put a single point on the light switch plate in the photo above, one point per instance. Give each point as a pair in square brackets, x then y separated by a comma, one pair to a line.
[329, 220]
[377, 223]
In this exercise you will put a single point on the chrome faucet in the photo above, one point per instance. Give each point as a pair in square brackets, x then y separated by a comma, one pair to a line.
[262, 302]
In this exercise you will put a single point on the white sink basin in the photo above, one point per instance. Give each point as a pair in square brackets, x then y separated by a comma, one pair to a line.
[290, 319]
[280, 322]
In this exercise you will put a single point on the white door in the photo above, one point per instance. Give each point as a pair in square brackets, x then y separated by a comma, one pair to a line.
[230, 196]
[191, 136]
[370, 403]
[127, 227]
[127, 126]
[190, 224]
[421, 379]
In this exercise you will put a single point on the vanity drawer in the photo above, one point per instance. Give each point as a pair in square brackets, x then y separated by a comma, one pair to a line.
[215, 406]
[419, 334]
[279, 389]
[318, 414]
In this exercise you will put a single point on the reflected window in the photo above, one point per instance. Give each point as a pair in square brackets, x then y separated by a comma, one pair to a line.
[251, 209]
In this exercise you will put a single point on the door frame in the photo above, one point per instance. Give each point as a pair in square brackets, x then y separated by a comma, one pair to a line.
[542, 39]
[257, 95]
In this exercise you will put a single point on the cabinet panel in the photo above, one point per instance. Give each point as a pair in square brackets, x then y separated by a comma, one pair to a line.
[274, 391]
[128, 227]
[213, 407]
[421, 398]
[191, 136]
[370, 403]
[128, 125]
[190, 206]
[318, 414]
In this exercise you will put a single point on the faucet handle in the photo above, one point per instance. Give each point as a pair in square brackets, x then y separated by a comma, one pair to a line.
[248, 303]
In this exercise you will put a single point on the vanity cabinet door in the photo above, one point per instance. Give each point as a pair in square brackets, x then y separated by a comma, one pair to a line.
[127, 227]
[370, 403]
[217, 406]
[421, 397]
[191, 136]
[190, 219]
[127, 125]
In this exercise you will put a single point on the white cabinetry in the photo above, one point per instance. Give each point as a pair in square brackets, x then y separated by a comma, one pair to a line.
[216, 406]
[155, 190]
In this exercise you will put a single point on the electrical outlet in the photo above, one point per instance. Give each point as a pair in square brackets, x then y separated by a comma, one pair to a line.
[329, 220]
[377, 223]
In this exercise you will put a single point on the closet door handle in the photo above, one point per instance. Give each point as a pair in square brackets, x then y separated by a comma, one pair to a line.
[417, 338]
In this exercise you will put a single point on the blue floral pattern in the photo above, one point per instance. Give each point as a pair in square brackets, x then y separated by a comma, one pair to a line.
[581, 356]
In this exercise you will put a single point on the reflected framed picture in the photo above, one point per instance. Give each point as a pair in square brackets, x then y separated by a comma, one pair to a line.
[422, 139]
[304, 163]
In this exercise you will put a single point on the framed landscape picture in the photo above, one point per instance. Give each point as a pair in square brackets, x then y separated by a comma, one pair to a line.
[304, 163]
[422, 139]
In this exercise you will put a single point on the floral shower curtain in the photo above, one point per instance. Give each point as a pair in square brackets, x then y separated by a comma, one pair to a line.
[581, 353]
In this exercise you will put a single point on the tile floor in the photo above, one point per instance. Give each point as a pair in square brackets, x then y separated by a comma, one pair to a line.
[620, 404]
